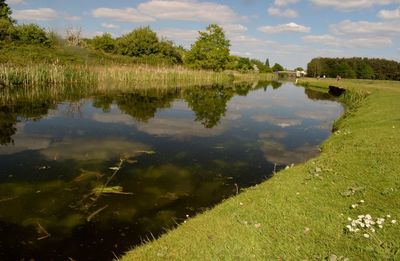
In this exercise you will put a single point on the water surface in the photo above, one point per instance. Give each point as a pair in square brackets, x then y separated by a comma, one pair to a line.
[168, 154]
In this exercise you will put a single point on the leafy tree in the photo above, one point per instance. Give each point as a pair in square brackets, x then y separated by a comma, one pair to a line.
[140, 42]
[31, 34]
[105, 43]
[277, 67]
[6, 22]
[356, 67]
[345, 70]
[365, 71]
[5, 12]
[299, 69]
[6, 29]
[210, 51]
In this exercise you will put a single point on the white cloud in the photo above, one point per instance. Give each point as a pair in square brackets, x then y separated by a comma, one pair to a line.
[274, 11]
[389, 14]
[285, 2]
[283, 28]
[40, 14]
[363, 42]
[184, 10]
[373, 29]
[349, 5]
[188, 10]
[234, 28]
[15, 2]
[109, 26]
[129, 15]
[181, 35]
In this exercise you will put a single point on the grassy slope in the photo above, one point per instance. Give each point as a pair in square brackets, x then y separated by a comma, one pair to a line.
[299, 215]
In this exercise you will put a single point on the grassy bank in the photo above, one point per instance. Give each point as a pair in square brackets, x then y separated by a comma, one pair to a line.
[301, 213]
[36, 66]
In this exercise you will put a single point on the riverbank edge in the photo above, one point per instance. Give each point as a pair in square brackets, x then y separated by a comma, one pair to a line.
[301, 213]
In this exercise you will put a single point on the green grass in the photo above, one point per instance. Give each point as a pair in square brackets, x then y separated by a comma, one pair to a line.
[301, 213]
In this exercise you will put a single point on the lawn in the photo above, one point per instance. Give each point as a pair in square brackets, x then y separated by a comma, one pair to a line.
[302, 213]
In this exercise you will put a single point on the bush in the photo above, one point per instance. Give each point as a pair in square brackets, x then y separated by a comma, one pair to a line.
[104, 43]
[31, 34]
[140, 42]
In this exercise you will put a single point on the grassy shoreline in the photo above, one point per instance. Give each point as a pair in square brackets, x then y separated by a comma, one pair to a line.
[106, 77]
[301, 213]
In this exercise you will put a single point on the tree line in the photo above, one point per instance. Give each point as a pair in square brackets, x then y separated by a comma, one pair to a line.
[210, 51]
[355, 68]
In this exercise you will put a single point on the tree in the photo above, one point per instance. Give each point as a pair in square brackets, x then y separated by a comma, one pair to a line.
[267, 63]
[277, 67]
[210, 51]
[6, 22]
[140, 42]
[299, 69]
[365, 71]
[105, 43]
[5, 12]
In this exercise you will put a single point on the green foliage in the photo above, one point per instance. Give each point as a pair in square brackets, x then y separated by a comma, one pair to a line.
[31, 34]
[169, 51]
[277, 67]
[140, 42]
[5, 11]
[299, 69]
[143, 42]
[260, 66]
[210, 51]
[104, 43]
[361, 68]
[6, 29]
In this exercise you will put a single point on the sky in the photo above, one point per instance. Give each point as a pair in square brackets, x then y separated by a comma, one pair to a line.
[288, 32]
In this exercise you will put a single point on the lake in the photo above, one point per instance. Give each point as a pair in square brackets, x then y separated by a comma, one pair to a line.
[89, 176]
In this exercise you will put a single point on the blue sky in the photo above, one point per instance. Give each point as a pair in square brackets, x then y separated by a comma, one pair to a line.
[289, 32]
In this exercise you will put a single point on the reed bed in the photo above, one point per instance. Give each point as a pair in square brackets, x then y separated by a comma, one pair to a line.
[105, 76]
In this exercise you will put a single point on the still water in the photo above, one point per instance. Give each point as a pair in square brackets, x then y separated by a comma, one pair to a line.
[89, 177]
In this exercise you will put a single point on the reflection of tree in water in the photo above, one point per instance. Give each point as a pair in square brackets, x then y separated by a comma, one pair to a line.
[7, 125]
[317, 95]
[242, 89]
[143, 107]
[276, 85]
[209, 104]
[9, 117]
[103, 102]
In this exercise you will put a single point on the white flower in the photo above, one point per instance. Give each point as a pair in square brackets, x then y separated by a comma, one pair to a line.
[388, 216]
[380, 226]
[349, 219]
[362, 201]
[368, 216]
[366, 235]
[354, 205]
[372, 230]
[393, 221]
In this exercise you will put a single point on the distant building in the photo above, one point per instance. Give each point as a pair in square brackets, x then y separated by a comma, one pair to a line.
[300, 74]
